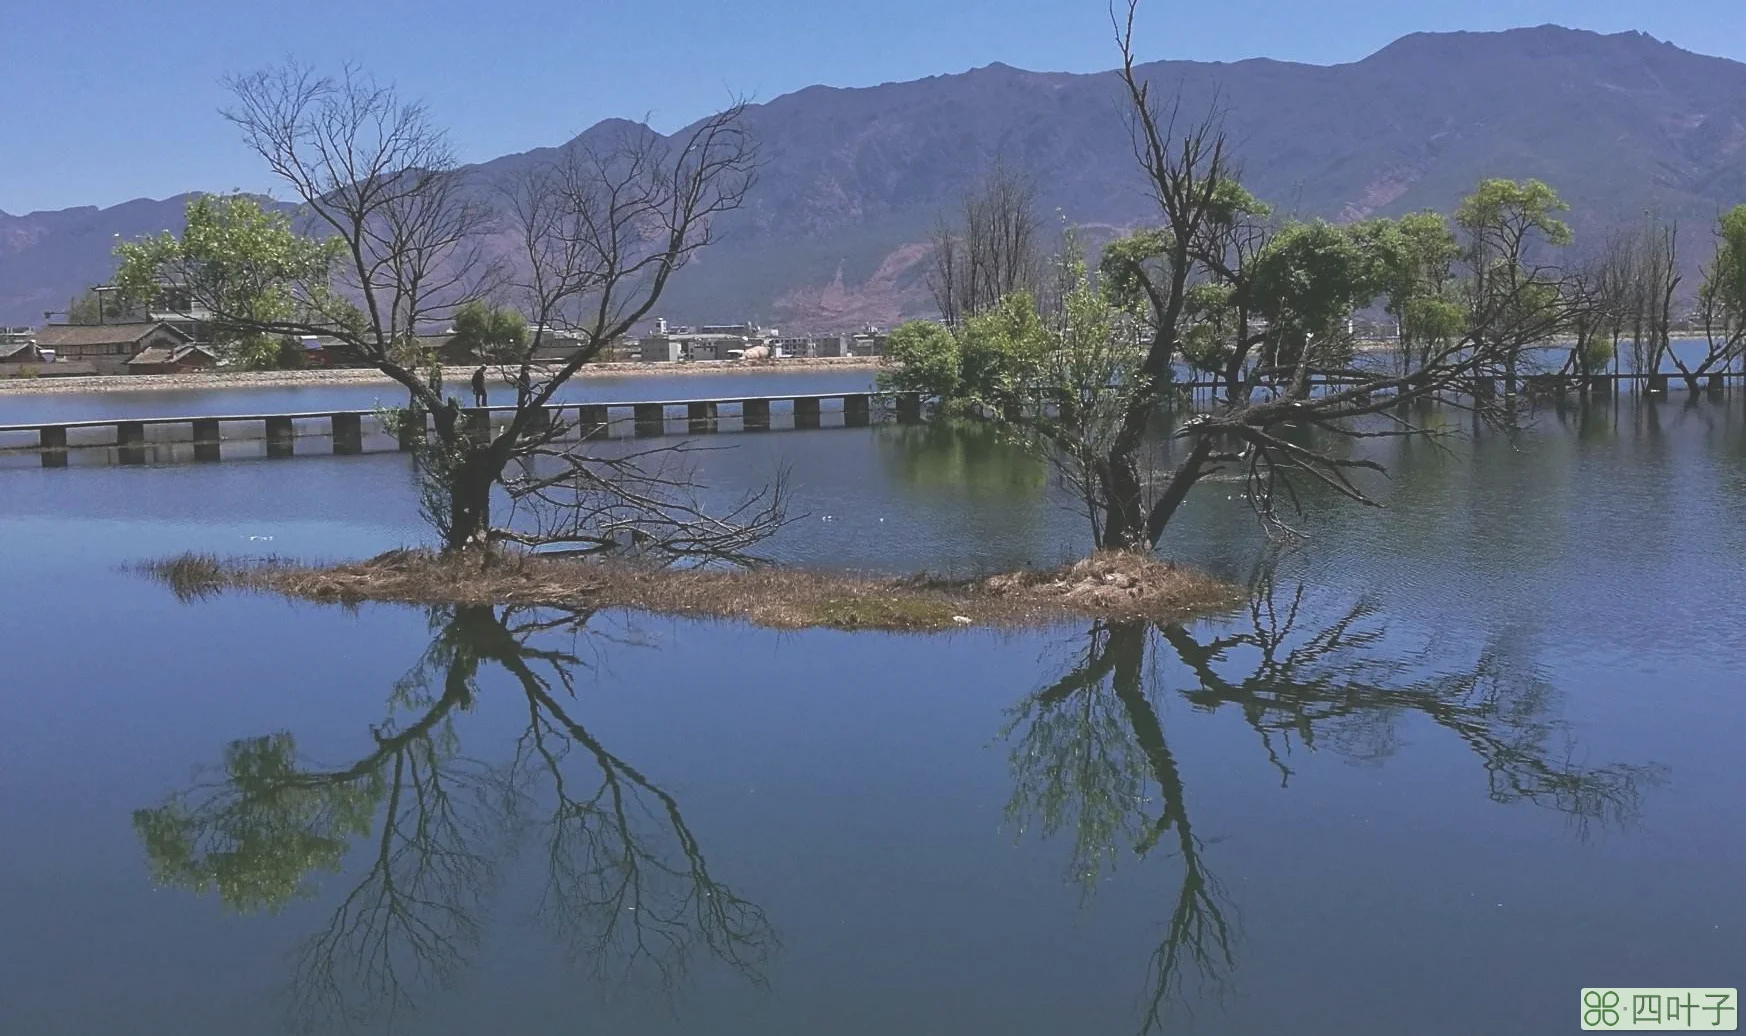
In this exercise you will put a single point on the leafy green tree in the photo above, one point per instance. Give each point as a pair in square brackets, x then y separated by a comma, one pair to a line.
[86, 308]
[926, 358]
[260, 279]
[1515, 297]
[1722, 298]
[494, 333]
[1419, 283]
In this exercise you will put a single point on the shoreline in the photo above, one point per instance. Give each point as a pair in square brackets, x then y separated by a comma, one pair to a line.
[371, 376]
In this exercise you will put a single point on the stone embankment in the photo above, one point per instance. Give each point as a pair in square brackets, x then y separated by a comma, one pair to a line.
[456, 376]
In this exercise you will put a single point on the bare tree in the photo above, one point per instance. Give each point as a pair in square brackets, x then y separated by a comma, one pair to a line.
[375, 172]
[407, 238]
[991, 252]
[599, 231]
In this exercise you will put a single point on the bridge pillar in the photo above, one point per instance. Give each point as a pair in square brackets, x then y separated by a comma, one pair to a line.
[130, 437]
[857, 411]
[348, 434]
[281, 437]
[205, 435]
[806, 413]
[592, 421]
[755, 415]
[650, 419]
[1657, 383]
[909, 408]
[539, 421]
[476, 424]
[52, 437]
[412, 428]
[1713, 386]
[700, 417]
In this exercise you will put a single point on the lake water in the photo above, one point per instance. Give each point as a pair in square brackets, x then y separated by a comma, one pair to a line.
[1456, 759]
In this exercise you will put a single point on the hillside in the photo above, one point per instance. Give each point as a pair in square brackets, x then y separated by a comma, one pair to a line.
[836, 231]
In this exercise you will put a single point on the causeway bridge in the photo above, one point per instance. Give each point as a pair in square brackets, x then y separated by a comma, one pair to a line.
[210, 437]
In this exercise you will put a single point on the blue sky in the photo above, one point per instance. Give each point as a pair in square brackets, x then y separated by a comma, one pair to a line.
[102, 101]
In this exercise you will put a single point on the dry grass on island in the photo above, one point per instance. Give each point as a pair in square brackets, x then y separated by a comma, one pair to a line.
[1107, 585]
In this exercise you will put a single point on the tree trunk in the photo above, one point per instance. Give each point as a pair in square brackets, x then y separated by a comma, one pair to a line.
[1125, 525]
[1129, 525]
[1182, 480]
[470, 503]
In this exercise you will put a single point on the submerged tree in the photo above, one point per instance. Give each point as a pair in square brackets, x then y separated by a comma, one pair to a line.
[1091, 760]
[1722, 299]
[1264, 307]
[397, 242]
[628, 893]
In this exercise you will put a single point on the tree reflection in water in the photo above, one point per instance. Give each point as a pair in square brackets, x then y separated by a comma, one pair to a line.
[627, 890]
[1090, 759]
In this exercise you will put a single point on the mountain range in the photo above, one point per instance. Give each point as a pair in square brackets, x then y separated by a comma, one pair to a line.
[836, 232]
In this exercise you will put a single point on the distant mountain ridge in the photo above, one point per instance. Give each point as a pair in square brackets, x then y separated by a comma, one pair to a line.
[836, 232]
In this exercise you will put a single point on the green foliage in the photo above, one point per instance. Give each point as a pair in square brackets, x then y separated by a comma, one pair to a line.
[1429, 320]
[999, 352]
[926, 357]
[490, 332]
[1419, 253]
[1597, 352]
[244, 264]
[1502, 214]
[96, 307]
[1724, 287]
[1058, 386]
[1307, 281]
[258, 843]
[85, 308]
[1208, 341]
[1126, 263]
[1233, 204]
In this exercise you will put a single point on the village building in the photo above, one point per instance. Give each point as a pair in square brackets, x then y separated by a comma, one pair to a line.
[172, 359]
[107, 347]
[18, 351]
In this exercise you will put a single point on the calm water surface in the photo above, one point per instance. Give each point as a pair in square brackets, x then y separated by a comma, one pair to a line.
[1456, 759]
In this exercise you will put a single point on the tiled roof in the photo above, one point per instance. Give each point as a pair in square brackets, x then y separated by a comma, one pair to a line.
[156, 354]
[164, 354]
[59, 336]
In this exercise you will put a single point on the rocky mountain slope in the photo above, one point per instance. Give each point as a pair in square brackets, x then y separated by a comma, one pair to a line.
[836, 232]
